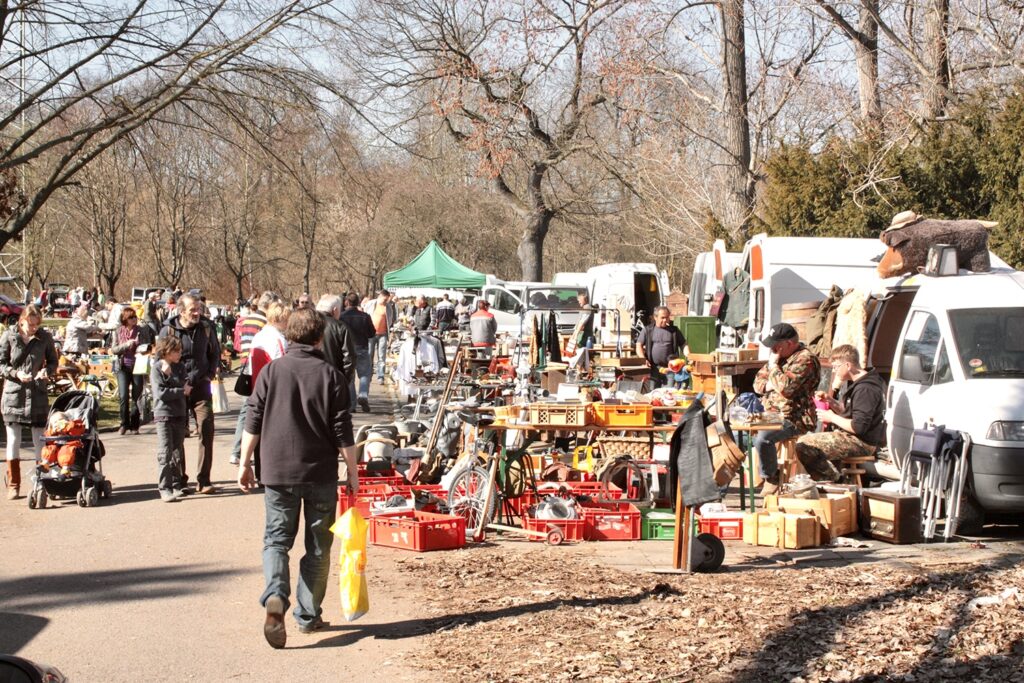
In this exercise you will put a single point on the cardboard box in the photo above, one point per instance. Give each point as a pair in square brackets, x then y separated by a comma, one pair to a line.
[736, 355]
[836, 512]
[781, 530]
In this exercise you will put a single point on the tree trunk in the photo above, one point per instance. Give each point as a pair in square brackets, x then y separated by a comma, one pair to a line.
[935, 85]
[739, 186]
[531, 246]
[866, 52]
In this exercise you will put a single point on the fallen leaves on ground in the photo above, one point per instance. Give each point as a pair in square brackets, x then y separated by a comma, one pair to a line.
[546, 615]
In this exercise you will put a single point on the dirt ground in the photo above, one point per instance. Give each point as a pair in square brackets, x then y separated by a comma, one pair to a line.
[142, 590]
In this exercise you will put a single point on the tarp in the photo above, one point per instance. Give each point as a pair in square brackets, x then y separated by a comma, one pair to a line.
[434, 268]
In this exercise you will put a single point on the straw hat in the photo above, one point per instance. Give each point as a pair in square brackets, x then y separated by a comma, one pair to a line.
[903, 219]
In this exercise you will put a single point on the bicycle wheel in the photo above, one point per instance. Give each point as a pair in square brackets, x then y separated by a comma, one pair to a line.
[466, 498]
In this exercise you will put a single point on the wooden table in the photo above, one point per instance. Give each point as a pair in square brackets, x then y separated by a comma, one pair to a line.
[752, 430]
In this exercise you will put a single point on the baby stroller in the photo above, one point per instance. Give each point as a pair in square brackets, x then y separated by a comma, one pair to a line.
[70, 467]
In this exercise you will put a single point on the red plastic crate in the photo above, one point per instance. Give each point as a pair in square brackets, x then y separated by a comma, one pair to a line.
[728, 526]
[407, 489]
[396, 480]
[418, 531]
[611, 522]
[572, 529]
[369, 493]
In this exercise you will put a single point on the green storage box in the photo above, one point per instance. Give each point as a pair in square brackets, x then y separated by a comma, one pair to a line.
[699, 331]
[658, 524]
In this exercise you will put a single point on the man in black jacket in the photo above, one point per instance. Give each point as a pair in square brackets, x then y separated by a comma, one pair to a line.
[299, 414]
[338, 347]
[361, 331]
[857, 417]
[200, 354]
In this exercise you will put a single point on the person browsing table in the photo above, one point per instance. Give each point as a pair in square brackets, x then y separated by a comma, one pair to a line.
[660, 342]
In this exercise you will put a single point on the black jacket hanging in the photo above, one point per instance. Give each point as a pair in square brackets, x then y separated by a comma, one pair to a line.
[690, 459]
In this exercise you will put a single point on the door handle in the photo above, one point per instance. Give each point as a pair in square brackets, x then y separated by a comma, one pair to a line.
[888, 397]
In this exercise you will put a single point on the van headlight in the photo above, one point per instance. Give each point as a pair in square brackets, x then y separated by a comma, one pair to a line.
[1006, 431]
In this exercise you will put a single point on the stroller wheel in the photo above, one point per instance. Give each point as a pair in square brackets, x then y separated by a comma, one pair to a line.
[80, 498]
[92, 497]
[32, 500]
[41, 499]
[106, 488]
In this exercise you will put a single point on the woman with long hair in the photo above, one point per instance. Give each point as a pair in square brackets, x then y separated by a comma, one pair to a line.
[28, 359]
[129, 337]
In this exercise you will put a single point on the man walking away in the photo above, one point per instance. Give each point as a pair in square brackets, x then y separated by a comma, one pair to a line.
[444, 314]
[659, 343]
[338, 348]
[361, 331]
[483, 328]
[299, 414]
[245, 329]
[200, 353]
[382, 312]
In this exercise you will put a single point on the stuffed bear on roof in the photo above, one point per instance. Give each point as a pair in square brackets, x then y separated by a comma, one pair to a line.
[909, 237]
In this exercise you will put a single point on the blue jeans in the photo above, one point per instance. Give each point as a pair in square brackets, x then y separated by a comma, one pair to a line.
[364, 369]
[129, 389]
[320, 505]
[764, 446]
[236, 450]
[379, 350]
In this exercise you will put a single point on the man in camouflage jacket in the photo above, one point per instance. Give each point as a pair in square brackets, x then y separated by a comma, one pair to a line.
[786, 384]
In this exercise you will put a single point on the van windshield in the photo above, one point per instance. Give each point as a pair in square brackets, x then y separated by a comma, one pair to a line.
[555, 298]
[990, 341]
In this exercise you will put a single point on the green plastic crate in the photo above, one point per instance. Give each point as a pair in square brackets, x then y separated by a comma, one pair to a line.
[658, 524]
[699, 332]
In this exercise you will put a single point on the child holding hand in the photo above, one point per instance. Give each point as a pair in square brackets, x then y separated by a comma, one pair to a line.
[169, 412]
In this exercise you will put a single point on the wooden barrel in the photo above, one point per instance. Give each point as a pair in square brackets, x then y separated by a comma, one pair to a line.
[797, 315]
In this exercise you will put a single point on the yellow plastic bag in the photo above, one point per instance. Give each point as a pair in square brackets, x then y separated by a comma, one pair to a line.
[350, 529]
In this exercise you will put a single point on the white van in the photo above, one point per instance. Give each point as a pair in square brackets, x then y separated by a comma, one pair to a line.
[954, 346]
[789, 270]
[514, 304]
[632, 289]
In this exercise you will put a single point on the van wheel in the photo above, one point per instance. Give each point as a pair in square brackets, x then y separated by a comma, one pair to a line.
[972, 517]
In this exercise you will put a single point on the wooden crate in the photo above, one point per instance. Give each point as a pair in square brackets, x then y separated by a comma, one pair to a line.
[780, 530]
[562, 415]
[836, 512]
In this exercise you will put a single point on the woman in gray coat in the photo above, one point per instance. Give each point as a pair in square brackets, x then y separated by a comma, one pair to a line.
[27, 359]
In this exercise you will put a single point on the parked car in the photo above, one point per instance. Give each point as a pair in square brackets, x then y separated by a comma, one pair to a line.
[10, 309]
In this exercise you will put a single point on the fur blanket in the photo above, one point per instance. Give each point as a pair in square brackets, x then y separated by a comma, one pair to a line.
[908, 245]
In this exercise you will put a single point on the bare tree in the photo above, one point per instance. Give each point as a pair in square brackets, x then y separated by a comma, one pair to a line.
[515, 84]
[77, 76]
[102, 200]
[864, 37]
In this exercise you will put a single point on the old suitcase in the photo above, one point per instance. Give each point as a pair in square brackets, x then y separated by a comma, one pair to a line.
[890, 516]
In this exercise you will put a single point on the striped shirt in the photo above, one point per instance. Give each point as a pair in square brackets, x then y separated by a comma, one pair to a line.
[245, 330]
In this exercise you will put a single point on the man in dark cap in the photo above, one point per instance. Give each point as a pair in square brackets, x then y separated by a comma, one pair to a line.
[786, 384]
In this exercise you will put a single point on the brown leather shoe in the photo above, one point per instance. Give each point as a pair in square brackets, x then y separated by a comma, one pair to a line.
[273, 626]
[770, 488]
[207, 490]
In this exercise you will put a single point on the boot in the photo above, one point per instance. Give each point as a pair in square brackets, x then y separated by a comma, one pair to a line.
[13, 479]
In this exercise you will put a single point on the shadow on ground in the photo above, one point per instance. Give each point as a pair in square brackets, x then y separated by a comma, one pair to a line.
[412, 628]
[55, 591]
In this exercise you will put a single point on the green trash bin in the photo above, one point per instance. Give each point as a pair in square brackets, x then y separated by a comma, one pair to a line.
[699, 331]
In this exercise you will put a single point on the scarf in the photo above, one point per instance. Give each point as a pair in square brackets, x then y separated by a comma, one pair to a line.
[124, 335]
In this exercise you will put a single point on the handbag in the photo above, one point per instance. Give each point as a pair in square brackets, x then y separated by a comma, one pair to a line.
[141, 366]
[243, 385]
[220, 397]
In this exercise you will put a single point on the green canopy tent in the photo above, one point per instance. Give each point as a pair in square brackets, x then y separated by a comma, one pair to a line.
[434, 268]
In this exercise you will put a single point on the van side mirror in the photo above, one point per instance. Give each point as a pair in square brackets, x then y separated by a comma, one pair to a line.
[912, 370]
[518, 308]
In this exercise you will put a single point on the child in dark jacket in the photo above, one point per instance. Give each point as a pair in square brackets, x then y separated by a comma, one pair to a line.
[169, 412]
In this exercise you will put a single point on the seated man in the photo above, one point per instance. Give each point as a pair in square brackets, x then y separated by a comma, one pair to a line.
[857, 418]
[785, 384]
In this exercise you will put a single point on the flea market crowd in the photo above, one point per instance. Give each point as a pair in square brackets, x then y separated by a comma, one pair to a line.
[599, 409]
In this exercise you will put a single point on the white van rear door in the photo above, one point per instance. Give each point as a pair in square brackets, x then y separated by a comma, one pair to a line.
[506, 308]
